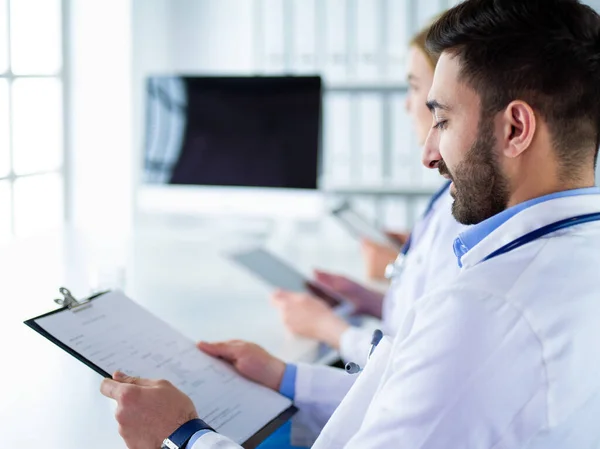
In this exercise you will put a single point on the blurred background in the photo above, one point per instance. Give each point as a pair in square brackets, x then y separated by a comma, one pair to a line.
[80, 105]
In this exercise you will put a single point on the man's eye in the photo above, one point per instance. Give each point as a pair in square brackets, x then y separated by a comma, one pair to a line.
[442, 124]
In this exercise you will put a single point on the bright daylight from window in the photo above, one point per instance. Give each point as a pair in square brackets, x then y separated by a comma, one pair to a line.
[31, 117]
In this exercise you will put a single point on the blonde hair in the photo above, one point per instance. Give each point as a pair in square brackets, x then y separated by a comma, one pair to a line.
[418, 41]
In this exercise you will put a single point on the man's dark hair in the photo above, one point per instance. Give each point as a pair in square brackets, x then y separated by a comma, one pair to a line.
[543, 52]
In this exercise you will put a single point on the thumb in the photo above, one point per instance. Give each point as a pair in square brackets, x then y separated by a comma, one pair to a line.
[280, 293]
[224, 350]
[281, 297]
[325, 277]
[119, 376]
[331, 281]
[320, 274]
[125, 379]
[111, 389]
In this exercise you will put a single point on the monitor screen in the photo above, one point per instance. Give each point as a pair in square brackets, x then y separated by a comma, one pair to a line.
[233, 131]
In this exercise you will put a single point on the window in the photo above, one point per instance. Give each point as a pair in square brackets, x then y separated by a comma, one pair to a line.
[31, 116]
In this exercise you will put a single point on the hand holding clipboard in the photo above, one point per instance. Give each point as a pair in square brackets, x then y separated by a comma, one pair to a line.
[109, 332]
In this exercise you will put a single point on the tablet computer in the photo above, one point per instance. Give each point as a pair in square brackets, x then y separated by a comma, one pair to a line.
[362, 228]
[274, 271]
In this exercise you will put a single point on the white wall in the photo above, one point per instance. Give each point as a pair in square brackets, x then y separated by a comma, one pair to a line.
[152, 54]
[100, 128]
[212, 36]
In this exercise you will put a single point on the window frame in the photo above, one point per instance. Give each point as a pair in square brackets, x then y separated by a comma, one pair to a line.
[62, 78]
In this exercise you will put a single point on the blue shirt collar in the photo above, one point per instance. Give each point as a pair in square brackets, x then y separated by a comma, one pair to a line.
[475, 234]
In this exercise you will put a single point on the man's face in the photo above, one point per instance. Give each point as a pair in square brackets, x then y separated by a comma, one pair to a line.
[462, 146]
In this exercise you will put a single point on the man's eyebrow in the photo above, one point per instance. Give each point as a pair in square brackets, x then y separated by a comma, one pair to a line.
[434, 104]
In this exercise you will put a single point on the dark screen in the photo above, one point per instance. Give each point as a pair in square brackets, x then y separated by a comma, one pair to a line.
[234, 131]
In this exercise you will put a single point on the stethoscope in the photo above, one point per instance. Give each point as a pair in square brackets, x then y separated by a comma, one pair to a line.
[354, 368]
[543, 231]
[394, 269]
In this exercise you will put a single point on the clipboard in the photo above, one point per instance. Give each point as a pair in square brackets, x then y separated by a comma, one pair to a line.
[70, 304]
[361, 228]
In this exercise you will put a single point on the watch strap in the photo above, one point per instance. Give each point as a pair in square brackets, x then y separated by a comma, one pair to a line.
[182, 435]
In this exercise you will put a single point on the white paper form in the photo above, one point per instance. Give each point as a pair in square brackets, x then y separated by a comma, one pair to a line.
[115, 333]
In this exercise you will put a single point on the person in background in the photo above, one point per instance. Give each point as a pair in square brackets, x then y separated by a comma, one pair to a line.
[430, 260]
[377, 256]
[421, 65]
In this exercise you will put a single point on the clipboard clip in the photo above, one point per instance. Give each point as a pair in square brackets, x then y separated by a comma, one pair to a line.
[69, 301]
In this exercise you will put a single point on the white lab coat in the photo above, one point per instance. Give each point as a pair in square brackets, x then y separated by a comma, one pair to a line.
[429, 264]
[507, 357]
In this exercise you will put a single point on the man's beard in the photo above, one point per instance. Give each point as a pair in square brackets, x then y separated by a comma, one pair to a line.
[481, 190]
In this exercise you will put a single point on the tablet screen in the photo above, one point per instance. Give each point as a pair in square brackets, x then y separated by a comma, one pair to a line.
[279, 274]
[361, 228]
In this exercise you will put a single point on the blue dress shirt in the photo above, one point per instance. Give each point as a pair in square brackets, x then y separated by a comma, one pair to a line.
[471, 237]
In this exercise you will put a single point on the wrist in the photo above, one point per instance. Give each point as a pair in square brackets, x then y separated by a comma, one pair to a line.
[276, 376]
[330, 330]
[180, 438]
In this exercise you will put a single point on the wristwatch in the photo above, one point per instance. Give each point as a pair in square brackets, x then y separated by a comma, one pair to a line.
[181, 436]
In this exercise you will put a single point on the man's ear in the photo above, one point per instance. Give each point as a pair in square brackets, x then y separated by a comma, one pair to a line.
[519, 126]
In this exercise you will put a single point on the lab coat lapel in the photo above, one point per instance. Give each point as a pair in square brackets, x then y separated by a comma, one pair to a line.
[348, 417]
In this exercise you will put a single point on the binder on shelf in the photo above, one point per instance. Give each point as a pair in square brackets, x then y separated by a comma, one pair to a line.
[274, 39]
[370, 162]
[336, 35]
[338, 139]
[304, 57]
[404, 151]
[368, 44]
[427, 11]
[397, 38]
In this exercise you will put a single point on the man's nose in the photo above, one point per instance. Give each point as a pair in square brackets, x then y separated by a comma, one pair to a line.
[431, 153]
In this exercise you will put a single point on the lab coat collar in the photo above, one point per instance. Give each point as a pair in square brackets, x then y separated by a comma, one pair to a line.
[529, 220]
[473, 235]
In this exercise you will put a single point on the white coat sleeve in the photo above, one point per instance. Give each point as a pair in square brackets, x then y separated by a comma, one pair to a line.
[213, 440]
[319, 390]
[467, 371]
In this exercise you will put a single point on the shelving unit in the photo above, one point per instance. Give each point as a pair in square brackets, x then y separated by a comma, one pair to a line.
[359, 47]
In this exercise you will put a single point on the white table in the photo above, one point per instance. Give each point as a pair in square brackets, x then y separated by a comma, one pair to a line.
[50, 400]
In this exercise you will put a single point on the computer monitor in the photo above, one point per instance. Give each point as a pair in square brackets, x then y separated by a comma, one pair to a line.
[254, 131]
